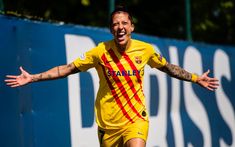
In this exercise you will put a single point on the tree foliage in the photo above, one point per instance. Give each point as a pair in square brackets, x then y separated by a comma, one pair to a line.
[212, 21]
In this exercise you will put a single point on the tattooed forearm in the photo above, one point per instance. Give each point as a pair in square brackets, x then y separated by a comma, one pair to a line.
[48, 75]
[177, 72]
[55, 73]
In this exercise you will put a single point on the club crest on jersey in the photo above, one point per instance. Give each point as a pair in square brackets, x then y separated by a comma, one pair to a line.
[138, 59]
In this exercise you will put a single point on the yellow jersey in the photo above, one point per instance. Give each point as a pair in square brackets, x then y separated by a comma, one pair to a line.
[120, 99]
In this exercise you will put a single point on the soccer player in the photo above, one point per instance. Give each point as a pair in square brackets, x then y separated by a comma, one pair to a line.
[120, 104]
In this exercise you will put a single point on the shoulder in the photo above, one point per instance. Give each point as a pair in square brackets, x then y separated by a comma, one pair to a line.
[101, 48]
[142, 43]
[105, 44]
[143, 46]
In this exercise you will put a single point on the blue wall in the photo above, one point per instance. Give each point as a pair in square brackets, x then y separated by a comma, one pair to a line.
[37, 115]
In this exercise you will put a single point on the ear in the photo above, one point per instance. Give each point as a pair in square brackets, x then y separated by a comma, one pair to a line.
[132, 27]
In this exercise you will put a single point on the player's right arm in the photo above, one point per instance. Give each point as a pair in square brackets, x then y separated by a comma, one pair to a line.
[53, 73]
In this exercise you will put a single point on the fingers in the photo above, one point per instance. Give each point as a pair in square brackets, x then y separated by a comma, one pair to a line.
[213, 80]
[207, 72]
[11, 76]
[213, 86]
[12, 83]
[213, 83]
[210, 80]
[10, 80]
[210, 89]
[21, 69]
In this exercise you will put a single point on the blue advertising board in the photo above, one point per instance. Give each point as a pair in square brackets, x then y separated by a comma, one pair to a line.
[61, 112]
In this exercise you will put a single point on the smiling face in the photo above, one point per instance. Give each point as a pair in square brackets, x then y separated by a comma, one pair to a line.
[121, 28]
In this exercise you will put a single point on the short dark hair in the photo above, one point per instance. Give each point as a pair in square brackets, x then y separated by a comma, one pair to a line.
[121, 8]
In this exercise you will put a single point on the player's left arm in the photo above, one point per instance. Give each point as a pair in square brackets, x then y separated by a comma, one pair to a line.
[203, 80]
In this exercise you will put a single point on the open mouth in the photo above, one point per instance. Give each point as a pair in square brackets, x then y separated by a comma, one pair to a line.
[121, 36]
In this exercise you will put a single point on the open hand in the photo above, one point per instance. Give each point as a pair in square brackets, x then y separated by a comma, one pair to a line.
[207, 82]
[18, 80]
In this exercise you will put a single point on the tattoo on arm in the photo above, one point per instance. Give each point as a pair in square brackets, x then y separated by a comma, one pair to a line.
[40, 77]
[35, 78]
[69, 65]
[176, 72]
[72, 68]
[49, 76]
[58, 70]
[55, 73]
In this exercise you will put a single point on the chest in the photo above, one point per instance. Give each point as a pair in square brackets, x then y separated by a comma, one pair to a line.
[124, 61]
[125, 64]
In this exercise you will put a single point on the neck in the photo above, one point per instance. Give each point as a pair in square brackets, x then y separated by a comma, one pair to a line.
[122, 48]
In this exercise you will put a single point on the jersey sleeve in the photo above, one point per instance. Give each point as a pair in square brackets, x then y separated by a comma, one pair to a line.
[87, 60]
[156, 60]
